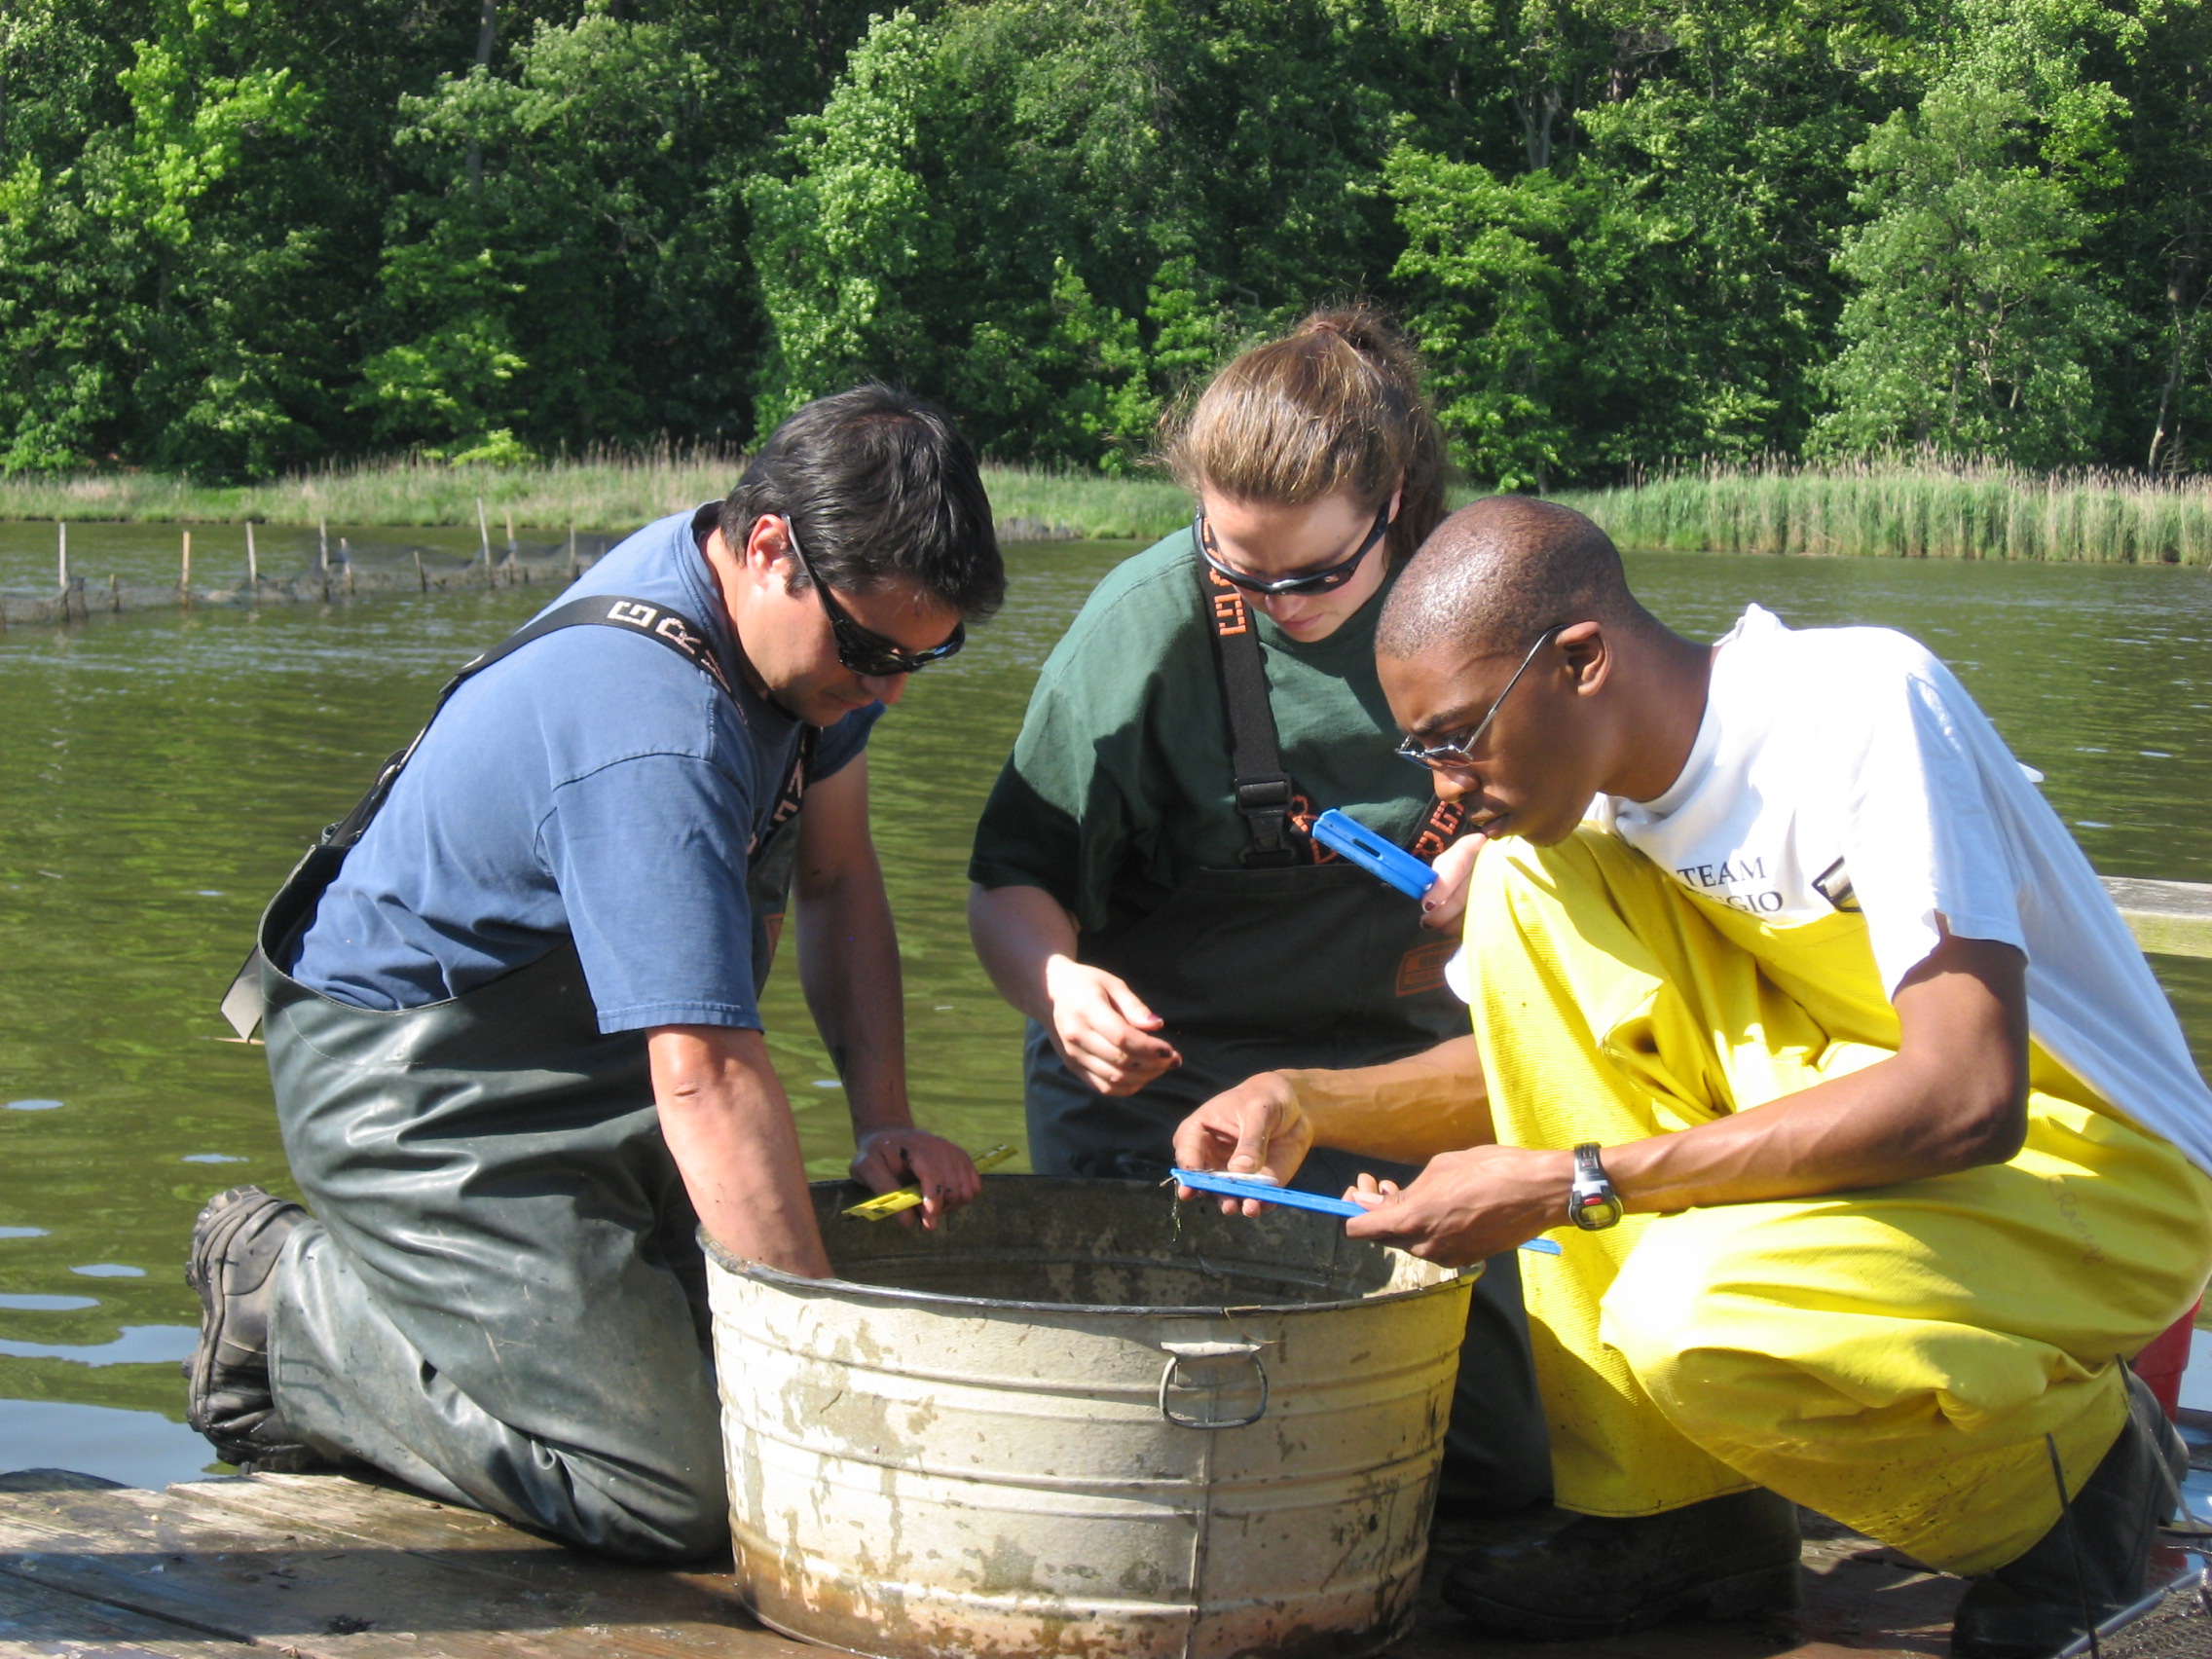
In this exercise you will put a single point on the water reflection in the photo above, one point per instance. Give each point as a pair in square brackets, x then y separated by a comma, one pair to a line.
[160, 773]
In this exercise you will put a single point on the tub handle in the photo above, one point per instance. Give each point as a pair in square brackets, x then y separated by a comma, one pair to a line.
[1213, 1362]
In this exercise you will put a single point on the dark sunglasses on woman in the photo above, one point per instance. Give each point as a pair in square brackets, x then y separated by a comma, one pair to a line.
[1324, 580]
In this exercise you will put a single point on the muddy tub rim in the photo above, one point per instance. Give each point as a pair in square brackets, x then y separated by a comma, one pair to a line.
[1445, 1281]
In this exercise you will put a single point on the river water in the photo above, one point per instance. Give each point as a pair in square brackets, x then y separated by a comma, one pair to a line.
[160, 773]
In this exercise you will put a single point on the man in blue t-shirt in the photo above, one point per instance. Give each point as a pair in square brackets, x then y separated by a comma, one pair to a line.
[512, 1006]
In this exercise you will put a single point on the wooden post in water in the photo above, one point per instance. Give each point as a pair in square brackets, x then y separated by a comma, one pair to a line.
[420, 580]
[345, 558]
[574, 569]
[484, 537]
[184, 574]
[61, 563]
[253, 563]
[511, 559]
[115, 592]
[322, 538]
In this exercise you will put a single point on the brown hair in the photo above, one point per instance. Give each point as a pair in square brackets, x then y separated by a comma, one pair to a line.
[1334, 407]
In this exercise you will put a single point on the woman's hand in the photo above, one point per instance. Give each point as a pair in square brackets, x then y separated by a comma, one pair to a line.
[1257, 1129]
[1445, 903]
[1103, 1030]
[1370, 1193]
[887, 1159]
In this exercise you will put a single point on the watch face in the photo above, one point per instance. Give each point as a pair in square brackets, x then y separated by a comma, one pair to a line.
[1594, 1211]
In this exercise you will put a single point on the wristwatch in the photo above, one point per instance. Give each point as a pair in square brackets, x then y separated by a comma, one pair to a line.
[1592, 1205]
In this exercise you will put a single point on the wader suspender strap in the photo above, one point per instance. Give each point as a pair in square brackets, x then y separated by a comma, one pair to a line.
[242, 1003]
[1263, 787]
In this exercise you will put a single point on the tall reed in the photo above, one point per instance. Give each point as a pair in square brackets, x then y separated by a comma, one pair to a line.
[604, 491]
[1913, 511]
[1888, 509]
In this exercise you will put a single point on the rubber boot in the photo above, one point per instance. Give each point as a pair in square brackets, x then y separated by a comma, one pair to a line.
[236, 1243]
[1728, 1558]
[2094, 1560]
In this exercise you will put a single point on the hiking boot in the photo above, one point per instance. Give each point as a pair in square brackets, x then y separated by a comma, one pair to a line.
[2031, 1607]
[1728, 1558]
[233, 1265]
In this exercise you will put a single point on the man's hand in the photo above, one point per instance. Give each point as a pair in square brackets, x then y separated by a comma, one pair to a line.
[1466, 1205]
[1445, 904]
[1256, 1130]
[894, 1157]
[1103, 1030]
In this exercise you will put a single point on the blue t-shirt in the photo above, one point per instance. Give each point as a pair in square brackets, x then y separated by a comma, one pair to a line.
[595, 786]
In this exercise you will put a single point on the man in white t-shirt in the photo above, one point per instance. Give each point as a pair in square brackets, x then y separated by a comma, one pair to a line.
[1872, 1145]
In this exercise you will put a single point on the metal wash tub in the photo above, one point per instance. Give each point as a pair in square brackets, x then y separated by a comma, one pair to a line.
[1079, 1420]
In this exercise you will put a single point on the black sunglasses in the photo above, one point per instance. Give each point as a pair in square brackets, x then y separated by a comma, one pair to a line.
[862, 649]
[1458, 754]
[1313, 581]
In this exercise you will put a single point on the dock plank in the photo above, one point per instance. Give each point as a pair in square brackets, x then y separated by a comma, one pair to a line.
[337, 1506]
[37, 1623]
[2169, 918]
[326, 1567]
[1860, 1601]
[320, 1591]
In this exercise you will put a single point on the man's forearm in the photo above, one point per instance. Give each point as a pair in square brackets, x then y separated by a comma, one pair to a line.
[848, 954]
[1407, 1111]
[729, 1128]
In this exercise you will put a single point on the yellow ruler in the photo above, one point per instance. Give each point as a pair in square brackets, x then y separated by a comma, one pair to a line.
[907, 1198]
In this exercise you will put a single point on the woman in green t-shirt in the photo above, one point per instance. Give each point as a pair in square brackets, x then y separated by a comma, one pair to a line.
[1144, 887]
[1146, 890]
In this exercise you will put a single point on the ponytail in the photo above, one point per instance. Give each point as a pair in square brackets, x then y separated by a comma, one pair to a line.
[1332, 408]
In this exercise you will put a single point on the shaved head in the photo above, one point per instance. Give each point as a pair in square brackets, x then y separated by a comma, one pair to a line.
[1494, 575]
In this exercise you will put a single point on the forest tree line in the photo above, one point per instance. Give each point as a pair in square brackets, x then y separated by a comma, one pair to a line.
[239, 236]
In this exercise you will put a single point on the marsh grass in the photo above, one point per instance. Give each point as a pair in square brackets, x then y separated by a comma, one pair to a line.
[1906, 511]
[600, 491]
[1885, 510]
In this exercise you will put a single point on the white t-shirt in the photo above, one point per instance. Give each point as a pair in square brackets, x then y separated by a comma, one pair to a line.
[1847, 766]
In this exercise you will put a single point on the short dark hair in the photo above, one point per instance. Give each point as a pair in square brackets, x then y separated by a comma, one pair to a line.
[1496, 575]
[879, 486]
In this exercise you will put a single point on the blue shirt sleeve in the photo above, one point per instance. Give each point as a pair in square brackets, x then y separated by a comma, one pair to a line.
[836, 746]
[649, 857]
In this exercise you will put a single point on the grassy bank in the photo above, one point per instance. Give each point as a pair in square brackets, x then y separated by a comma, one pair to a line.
[1919, 512]
[602, 493]
[1882, 511]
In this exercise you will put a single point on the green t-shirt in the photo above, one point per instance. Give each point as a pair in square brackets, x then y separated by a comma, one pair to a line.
[1119, 786]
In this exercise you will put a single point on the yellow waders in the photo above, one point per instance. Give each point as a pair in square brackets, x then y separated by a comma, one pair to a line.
[1891, 1357]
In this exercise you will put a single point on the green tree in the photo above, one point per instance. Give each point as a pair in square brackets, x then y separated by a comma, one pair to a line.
[1975, 325]
[838, 236]
[1490, 258]
[1631, 268]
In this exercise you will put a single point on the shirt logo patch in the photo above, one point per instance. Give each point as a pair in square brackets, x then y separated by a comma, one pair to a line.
[1732, 871]
[1421, 969]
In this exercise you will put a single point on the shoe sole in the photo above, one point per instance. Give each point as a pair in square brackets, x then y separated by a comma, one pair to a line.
[213, 1234]
[1743, 1595]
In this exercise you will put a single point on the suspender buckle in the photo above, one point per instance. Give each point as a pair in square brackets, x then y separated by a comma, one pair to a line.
[1265, 803]
[1263, 794]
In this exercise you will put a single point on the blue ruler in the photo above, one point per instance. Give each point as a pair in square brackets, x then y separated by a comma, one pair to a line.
[1232, 1187]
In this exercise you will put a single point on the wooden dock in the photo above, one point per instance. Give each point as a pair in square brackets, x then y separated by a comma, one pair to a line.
[2169, 918]
[327, 1566]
